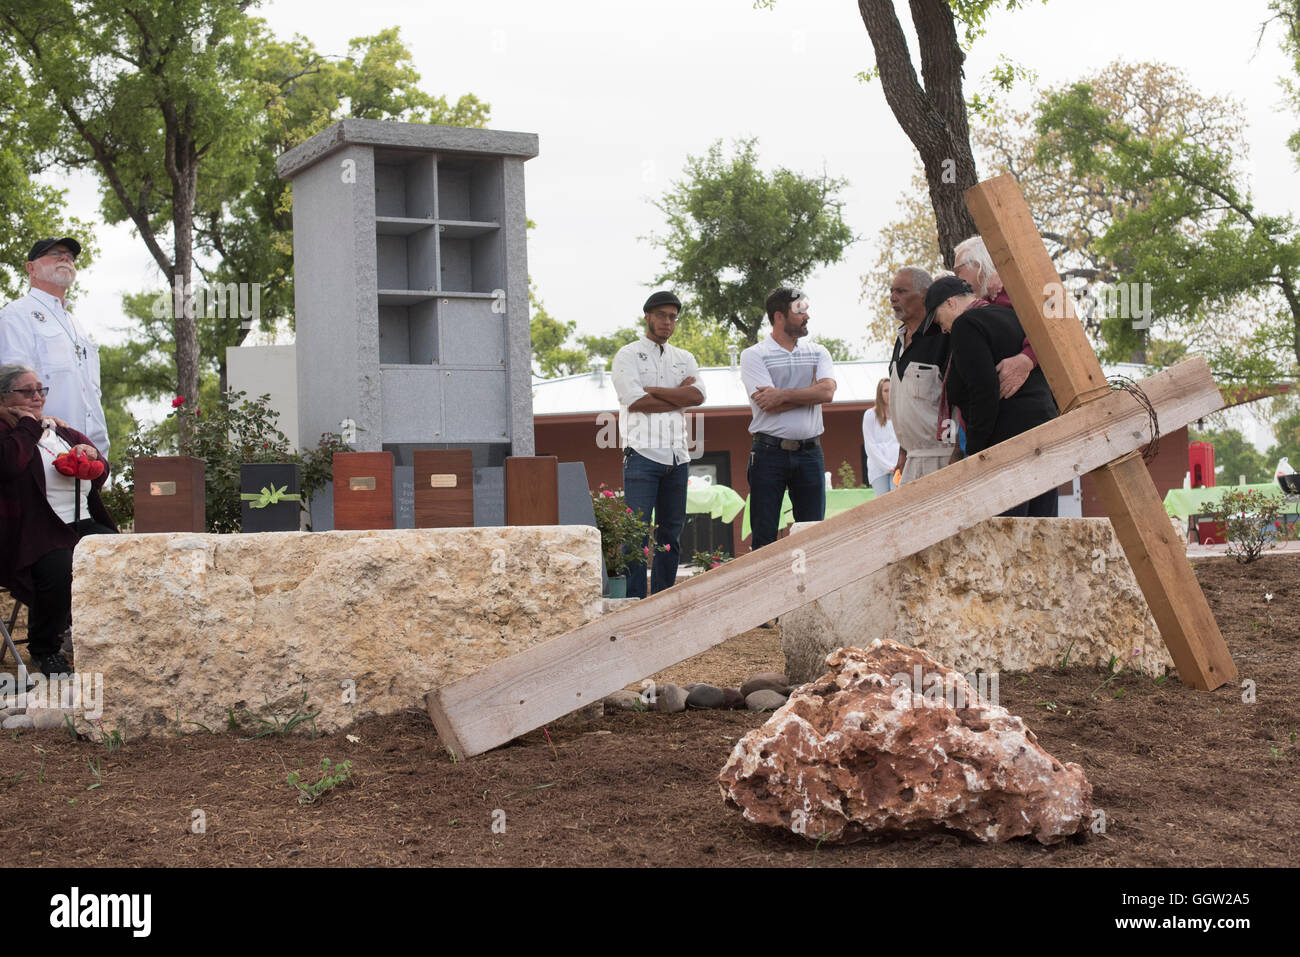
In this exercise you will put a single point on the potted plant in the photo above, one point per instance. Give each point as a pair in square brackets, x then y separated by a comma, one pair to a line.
[622, 534]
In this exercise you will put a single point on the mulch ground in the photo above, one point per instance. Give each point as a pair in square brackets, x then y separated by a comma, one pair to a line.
[1184, 777]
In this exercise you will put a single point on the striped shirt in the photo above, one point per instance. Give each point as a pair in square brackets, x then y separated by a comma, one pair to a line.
[768, 363]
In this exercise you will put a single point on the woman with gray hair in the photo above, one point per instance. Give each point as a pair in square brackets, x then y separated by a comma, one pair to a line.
[972, 262]
[50, 477]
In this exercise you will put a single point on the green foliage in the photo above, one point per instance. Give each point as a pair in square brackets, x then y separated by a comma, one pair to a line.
[735, 233]
[1287, 432]
[622, 531]
[552, 355]
[847, 475]
[1234, 456]
[228, 432]
[281, 724]
[1252, 521]
[712, 559]
[331, 776]
[1198, 238]
[182, 109]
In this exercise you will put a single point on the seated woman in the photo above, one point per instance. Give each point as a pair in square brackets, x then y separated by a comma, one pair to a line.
[982, 336]
[39, 510]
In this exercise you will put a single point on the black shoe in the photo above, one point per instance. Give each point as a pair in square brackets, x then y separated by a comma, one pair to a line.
[51, 665]
[770, 624]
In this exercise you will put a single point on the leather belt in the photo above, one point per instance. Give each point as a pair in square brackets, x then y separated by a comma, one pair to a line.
[789, 445]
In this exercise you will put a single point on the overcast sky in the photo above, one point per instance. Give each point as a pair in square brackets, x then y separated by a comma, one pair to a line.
[621, 94]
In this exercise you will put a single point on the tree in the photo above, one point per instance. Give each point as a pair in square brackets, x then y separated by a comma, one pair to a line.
[147, 95]
[181, 109]
[1073, 208]
[28, 210]
[1234, 457]
[736, 233]
[552, 355]
[1197, 239]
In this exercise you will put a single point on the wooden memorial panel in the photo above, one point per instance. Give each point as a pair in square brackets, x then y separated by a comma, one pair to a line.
[444, 488]
[532, 490]
[170, 494]
[363, 490]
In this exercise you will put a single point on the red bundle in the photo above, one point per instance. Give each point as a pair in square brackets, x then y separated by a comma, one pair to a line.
[78, 465]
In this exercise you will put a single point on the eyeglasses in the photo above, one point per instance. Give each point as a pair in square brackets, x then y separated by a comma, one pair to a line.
[43, 391]
[59, 254]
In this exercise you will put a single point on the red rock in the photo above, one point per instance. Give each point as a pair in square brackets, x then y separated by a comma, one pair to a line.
[852, 755]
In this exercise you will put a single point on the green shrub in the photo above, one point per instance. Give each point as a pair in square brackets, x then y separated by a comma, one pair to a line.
[1252, 521]
[235, 431]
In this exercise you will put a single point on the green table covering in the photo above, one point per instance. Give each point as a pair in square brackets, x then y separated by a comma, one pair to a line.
[1183, 503]
[837, 500]
[716, 501]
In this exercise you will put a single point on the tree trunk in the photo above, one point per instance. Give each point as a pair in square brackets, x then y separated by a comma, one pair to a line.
[933, 116]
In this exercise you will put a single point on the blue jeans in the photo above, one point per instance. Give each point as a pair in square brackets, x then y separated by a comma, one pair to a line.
[648, 486]
[772, 471]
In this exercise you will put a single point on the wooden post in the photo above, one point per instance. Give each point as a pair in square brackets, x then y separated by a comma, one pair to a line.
[525, 691]
[1159, 560]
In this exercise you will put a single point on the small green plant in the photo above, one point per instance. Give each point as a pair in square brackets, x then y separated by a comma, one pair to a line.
[848, 477]
[332, 775]
[1252, 521]
[97, 769]
[280, 725]
[232, 723]
[1066, 660]
[112, 740]
[706, 560]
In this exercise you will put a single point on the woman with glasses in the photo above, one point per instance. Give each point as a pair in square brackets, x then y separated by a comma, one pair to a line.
[43, 512]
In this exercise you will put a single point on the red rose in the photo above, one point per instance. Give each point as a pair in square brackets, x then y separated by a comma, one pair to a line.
[178, 402]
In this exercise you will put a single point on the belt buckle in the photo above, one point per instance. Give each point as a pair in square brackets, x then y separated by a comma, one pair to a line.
[791, 445]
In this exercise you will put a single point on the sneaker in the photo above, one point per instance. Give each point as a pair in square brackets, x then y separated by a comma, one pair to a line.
[51, 665]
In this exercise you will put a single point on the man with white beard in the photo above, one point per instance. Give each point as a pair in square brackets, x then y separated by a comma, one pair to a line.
[38, 331]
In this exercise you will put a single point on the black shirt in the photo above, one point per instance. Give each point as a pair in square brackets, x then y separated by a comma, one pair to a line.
[980, 339]
[929, 346]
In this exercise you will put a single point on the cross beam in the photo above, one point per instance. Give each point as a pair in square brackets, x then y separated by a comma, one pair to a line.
[527, 690]
[1158, 557]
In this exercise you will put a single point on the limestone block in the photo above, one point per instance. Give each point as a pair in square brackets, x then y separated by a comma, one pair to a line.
[184, 627]
[861, 751]
[1008, 594]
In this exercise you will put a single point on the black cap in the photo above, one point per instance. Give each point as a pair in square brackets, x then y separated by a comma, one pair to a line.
[940, 291]
[661, 298]
[42, 246]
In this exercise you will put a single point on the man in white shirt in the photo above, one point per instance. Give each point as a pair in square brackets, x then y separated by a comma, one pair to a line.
[655, 382]
[38, 331]
[787, 382]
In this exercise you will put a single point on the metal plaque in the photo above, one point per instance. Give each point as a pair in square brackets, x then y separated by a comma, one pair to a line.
[362, 483]
[162, 488]
[443, 481]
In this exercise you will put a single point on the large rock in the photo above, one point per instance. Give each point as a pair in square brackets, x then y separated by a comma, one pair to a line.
[184, 627]
[1009, 594]
[861, 752]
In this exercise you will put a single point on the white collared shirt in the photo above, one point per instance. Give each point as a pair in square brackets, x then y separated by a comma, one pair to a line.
[660, 436]
[38, 331]
[769, 363]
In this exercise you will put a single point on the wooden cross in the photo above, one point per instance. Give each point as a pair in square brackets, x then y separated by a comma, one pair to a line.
[1099, 429]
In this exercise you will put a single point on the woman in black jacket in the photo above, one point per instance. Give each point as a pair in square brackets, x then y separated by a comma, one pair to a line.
[981, 337]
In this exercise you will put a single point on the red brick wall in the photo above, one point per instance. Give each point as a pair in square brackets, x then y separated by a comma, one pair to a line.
[573, 439]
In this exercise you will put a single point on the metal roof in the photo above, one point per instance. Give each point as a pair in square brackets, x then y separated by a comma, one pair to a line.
[594, 392]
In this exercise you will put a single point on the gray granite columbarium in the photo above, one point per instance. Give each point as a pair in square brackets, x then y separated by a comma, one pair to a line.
[411, 289]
